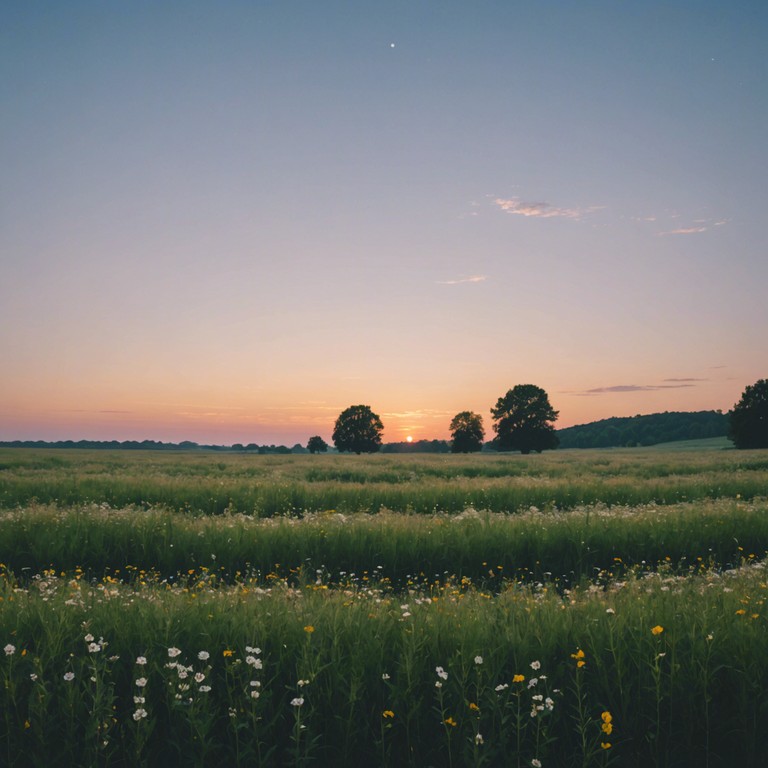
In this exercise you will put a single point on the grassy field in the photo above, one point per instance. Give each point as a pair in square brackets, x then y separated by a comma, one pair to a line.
[570, 609]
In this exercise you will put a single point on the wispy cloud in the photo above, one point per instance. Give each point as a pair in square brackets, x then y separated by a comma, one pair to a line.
[541, 210]
[684, 231]
[623, 388]
[473, 279]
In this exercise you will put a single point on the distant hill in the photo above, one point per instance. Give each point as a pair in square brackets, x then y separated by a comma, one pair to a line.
[651, 429]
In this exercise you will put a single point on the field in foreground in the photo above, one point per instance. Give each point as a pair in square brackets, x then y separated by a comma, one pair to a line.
[619, 620]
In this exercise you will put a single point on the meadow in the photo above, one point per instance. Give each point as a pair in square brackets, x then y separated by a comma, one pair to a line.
[576, 608]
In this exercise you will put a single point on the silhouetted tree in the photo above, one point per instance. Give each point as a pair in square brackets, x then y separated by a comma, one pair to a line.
[748, 421]
[316, 444]
[523, 419]
[358, 429]
[467, 432]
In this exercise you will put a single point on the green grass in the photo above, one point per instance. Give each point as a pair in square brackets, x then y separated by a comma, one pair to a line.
[630, 584]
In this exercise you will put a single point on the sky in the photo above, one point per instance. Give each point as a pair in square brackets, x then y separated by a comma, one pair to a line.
[227, 222]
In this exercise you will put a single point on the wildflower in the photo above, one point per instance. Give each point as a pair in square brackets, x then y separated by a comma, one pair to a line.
[478, 659]
[9, 649]
[535, 665]
[549, 703]
[450, 721]
[438, 684]
[535, 763]
[248, 649]
[173, 653]
[33, 677]
[610, 610]
[255, 694]
[88, 638]
[388, 713]
[139, 700]
[309, 629]
[297, 702]
[518, 679]
[204, 688]
[533, 682]
[479, 738]
[141, 682]
[302, 683]
[501, 687]
[254, 662]
[606, 717]
[69, 676]
[141, 660]
[474, 706]
[385, 676]
[199, 677]
[226, 653]
[94, 648]
[441, 673]
[139, 714]
[606, 744]
[203, 655]
[657, 630]
[740, 612]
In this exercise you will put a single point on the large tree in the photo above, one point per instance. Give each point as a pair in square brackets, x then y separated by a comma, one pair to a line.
[358, 429]
[523, 420]
[467, 432]
[748, 421]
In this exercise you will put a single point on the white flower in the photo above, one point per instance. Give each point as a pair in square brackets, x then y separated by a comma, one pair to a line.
[248, 649]
[255, 684]
[69, 676]
[532, 682]
[141, 660]
[501, 687]
[199, 677]
[535, 665]
[139, 700]
[204, 688]
[182, 673]
[610, 610]
[254, 662]
[297, 702]
[203, 655]
[441, 673]
[302, 683]
[9, 649]
[549, 704]
[256, 694]
[536, 763]
[385, 676]
[33, 677]
[478, 738]
[141, 682]
[438, 684]
[478, 659]
[139, 714]
[94, 648]
[88, 638]
[173, 652]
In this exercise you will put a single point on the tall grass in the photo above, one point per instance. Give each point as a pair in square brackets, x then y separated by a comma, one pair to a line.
[485, 547]
[679, 664]
[275, 485]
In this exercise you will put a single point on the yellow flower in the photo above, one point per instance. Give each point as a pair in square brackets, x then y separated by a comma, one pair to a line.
[606, 717]
[227, 653]
[518, 679]
[474, 706]
[387, 713]
[607, 728]
[580, 663]
[657, 630]
[605, 744]
[450, 721]
[740, 612]
[309, 629]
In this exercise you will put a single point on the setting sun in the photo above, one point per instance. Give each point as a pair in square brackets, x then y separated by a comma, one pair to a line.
[409, 439]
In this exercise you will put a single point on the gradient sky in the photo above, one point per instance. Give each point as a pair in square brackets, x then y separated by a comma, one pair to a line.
[226, 222]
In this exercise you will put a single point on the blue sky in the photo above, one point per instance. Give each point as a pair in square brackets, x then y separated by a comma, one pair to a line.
[227, 222]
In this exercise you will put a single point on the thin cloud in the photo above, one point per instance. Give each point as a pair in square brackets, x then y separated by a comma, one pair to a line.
[684, 231]
[681, 380]
[623, 388]
[541, 210]
[473, 279]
